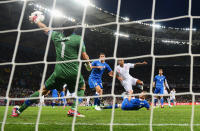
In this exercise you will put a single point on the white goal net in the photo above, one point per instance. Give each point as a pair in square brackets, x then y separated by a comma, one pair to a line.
[113, 26]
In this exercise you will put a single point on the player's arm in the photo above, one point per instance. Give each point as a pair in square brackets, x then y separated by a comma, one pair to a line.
[166, 84]
[47, 93]
[37, 17]
[87, 64]
[111, 73]
[154, 82]
[118, 77]
[85, 56]
[43, 26]
[140, 63]
[147, 106]
[93, 65]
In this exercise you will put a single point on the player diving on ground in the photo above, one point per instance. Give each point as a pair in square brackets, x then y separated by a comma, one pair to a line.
[132, 103]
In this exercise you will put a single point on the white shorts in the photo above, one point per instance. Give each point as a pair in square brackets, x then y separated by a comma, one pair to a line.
[165, 92]
[70, 94]
[172, 98]
[127, 84]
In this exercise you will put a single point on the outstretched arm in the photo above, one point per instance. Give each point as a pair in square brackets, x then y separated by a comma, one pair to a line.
[111, 73]
[141, 63]
[88, 64]
[37, 17]
[43, 26]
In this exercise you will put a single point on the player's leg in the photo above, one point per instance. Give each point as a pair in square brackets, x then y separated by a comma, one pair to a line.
[28, 102]
[168, 101]
[111, 106]
[174, 101]
[157, 90]
[161, 97]
[97, 85]
[80, 92]
[128, 86]
[49, 84]
[55, 96]
[139, 83]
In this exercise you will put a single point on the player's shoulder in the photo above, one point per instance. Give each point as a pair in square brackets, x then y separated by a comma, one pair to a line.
[75, 36]
[157, 76]
[96, 61]
[127, 64]
[164, 76]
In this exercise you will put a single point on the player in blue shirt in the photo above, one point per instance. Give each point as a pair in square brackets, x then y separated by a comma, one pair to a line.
[160, 83]
[54, 95]
[62, 94]
[132, 103]
[95, 78]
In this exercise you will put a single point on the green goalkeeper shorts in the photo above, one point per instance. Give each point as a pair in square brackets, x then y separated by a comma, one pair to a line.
[57, 82]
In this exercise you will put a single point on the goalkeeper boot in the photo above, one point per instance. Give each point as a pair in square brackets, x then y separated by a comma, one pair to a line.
[74, 113]
[15, 112]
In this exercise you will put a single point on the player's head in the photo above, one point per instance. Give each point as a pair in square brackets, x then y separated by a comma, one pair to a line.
[121, 62]
[102, 56]
[173, 89]
[142, 95]
[160, 71]
[68, 32]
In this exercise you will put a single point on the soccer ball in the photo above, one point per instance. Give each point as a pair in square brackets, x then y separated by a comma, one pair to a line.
[16, 107]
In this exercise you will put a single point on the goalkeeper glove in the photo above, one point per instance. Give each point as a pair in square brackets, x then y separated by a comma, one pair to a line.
[36, 16]
[88, 66]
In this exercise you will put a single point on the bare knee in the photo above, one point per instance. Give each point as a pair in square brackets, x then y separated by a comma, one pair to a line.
[140, 82]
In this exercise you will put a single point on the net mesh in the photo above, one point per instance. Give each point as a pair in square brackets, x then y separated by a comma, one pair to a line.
[114, 96]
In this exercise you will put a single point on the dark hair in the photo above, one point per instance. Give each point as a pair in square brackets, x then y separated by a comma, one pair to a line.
[68, 32]
[101, 53]
[160, 69]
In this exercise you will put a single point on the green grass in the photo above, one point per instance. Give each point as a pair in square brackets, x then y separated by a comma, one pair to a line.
[56, 119]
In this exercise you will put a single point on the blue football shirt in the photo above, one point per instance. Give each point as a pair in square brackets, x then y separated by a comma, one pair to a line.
[134, 104]
[159, 80]
[96, 72]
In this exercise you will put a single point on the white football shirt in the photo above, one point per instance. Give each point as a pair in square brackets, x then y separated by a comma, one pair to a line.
[173, 94]
[124, 71]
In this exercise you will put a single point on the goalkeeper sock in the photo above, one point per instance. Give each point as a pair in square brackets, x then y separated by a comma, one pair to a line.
[27, 103]
[80, 93]
[161, 101]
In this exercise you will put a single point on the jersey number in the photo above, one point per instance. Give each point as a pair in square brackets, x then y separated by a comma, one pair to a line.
[63, 49]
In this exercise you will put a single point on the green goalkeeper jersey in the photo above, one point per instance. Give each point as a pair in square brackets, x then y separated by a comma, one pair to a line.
[67, 48]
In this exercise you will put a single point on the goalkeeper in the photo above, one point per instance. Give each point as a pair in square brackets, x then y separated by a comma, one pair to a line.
[67, 48]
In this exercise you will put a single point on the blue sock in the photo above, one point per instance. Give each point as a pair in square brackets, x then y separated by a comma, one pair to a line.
[161, 101]
[155, 101]
[52, 104]
[110, 107]
[96, 100]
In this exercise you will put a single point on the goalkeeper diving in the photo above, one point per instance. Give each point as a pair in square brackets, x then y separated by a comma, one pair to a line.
[67, 46]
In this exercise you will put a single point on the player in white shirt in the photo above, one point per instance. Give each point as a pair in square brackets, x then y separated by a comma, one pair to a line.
[167, 97]
[172, 96]
[127, 80]
[87, 101]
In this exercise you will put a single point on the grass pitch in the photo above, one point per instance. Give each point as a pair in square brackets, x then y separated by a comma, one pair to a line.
[55, 119]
